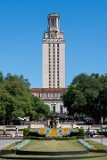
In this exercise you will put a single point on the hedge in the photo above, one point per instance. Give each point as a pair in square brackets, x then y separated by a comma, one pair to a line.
[55, 138]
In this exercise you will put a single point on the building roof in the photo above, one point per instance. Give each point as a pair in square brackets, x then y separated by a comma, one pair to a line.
[53, 15]
[48, 89]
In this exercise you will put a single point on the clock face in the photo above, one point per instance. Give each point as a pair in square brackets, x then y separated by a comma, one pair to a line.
[53, 34]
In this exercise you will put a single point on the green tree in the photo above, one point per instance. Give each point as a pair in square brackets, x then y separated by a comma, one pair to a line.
[87, 95]
[3, 95]
[15, 98]
[103, 103]
[1, 77]
[39, 108]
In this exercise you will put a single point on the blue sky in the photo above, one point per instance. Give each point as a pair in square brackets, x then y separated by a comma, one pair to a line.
[22, 23]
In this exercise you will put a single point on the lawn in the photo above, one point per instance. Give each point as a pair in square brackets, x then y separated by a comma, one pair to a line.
[97, 145]
[54, 146]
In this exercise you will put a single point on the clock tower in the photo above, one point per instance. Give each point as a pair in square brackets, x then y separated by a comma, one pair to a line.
[53, 67]
[53, 55]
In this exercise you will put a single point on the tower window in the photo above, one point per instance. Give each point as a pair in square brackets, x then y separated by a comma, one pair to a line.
[57, 44]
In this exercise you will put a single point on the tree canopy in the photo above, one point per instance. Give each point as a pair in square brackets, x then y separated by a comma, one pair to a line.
[87, 95]
[39, 108]
[16, 99]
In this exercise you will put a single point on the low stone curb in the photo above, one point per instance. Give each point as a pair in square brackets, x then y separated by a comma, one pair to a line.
[20, 152]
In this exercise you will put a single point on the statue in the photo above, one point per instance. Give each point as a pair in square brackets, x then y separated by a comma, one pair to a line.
[53, 123]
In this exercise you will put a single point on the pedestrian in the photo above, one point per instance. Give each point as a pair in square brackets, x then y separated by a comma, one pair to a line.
[91, 134]
[17, 132]
[4, 131]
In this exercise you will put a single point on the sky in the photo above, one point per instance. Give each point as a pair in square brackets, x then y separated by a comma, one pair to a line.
[23, 22]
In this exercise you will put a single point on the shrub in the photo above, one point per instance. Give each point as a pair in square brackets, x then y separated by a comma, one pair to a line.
[79, 137]
[105, 121]
[81, 131]
[51, 138]
[26, 132]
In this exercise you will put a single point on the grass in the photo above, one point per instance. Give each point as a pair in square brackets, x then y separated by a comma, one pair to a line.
[97, 145]
[54, 145]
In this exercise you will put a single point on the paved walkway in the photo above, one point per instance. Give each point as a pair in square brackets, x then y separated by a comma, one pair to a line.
[100, 140]
[7, 141]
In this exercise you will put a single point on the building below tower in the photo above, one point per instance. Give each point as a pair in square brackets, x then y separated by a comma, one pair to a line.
[52, 97]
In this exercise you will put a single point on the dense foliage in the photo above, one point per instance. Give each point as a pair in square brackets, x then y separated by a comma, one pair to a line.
[39, 109]
[16, 100]
[87, 96]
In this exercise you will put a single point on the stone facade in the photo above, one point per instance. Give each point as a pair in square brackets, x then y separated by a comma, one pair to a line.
[52, 97]
[53, 55]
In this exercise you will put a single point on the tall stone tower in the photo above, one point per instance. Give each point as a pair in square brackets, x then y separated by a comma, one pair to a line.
[53, 55]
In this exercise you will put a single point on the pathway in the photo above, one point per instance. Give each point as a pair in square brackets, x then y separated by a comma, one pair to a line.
[100, 140]
[7, 141]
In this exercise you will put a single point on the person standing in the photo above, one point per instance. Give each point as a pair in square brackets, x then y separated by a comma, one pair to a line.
[4, 131]
[17, 132]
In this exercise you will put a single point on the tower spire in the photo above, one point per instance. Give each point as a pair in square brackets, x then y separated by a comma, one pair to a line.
[53, 22]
